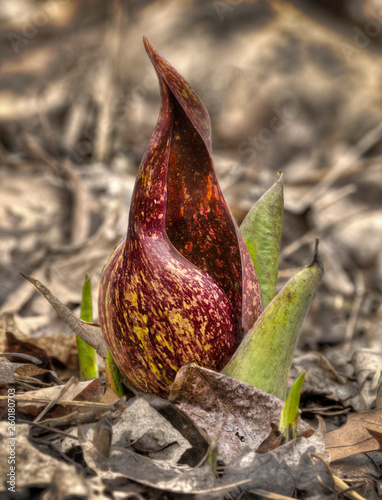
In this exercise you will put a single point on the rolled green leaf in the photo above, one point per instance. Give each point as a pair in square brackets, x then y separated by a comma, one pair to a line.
[264, 357]
[87, 355]
[261, 230]
[113, 377]
[212, 457]
[289, 414]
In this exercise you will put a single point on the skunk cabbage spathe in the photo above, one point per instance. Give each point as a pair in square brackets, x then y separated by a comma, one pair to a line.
[181, 286]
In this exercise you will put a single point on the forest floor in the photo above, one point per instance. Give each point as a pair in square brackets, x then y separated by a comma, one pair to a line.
[290, 87]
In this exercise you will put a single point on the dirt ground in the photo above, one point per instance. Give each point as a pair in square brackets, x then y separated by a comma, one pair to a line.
[289, 86]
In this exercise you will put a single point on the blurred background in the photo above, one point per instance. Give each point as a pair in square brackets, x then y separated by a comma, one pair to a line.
[290, 86]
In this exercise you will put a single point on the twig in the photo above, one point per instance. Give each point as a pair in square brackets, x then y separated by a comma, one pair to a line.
[47, 428]
[27, 357]
[90, 404]
[346, 490]
[56, 399]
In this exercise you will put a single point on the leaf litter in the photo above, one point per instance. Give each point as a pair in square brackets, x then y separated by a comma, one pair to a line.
[34, 193]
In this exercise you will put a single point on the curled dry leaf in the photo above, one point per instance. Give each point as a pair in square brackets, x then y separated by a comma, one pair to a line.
[15, 345]
[11, 372]
[236, 415]
[90, 391]
[124, 463]
[285, 469]
[35, 468]
[145, 424]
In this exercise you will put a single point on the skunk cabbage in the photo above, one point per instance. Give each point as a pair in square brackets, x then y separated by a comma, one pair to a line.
[181, 286]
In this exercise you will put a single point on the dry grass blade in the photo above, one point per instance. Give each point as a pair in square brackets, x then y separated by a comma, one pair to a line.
[267, 494]
[345, 490]
[25, 357]
[90, 404]
[47, 428]
[55, 400]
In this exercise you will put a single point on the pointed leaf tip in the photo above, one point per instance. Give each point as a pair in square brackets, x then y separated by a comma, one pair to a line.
[261, 230]
[92, 335]
[317, 257]
[183, 93]
[264, 357]
[149, 48]
[279, 178]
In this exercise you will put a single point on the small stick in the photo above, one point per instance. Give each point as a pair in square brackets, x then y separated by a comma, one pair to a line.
[55, 400]
[46, 427]
[31, 359]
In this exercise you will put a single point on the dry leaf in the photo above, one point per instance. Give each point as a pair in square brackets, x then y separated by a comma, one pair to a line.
[18, 346]
[367, 367]
[238, 416]
[160, 431]
[361, 433]
[289, 468]
[124, 463]
[36, 468]
[323, 379]
[7, 370]
[91, 391]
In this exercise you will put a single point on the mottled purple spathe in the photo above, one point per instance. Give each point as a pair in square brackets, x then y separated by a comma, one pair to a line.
[181, 287]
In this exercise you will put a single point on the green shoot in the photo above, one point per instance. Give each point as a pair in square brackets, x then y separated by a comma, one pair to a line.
[212, 457]
[87, 355]
[113, 377]
[289, 414]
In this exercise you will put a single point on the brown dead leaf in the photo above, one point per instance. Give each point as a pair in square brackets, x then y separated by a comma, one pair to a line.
[33, 467]
[37, 374]
[361, 433]
[60, 347]
[275, 439]
[236, 415]
[91, 391]
[18, 346]
[323, 379]
[271, 442]
[11, 372]
[7, 370]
